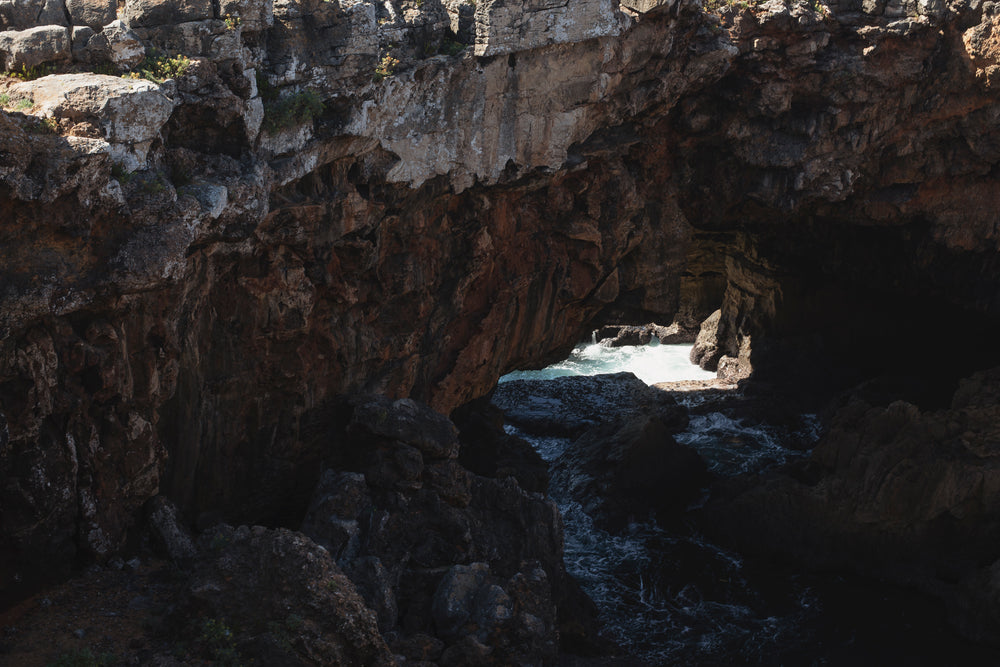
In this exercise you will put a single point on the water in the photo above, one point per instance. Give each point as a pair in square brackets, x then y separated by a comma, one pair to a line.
[669, 597]
[674, 598]
[650, 363]
[731, 447]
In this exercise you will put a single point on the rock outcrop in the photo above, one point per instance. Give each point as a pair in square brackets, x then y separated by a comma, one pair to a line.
[308, 200]
[623, 463]
[890, 491]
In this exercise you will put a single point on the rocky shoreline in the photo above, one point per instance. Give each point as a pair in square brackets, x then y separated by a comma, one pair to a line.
[252, 248]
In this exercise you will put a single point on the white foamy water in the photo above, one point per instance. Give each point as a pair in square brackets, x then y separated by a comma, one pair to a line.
[650, 363]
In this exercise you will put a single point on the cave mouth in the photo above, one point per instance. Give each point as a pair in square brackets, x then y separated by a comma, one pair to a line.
[652, 362]
[666, 593]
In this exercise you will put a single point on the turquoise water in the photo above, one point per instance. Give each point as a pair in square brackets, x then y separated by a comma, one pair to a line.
[650, 363]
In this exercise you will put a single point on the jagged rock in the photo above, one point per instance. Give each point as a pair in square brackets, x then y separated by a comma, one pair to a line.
[115, 44]
[151, 13]
[618, 336]
[128, 113]
[622, 471]
[568, 406]
[489, 451]
[706, 352]
[893, 491]
[419, 647]
[460, 218]
[331, 520]
[22, 15]
[401, 525]
[253, 15]
[488, 621]
[211, 38]
[983, 50]
[167, 527]
[80, 37]
[376, 586]
[92, 13]
[25, 49]
[410, 422]
[645, 6]
[505, 26]
[255, 577]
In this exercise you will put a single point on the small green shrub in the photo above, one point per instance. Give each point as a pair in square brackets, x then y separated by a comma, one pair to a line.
[31, 73]
[158, 68]
[16, 103]
[232, 22]
[121, 174]
[267, 92]
[451, 47]
[219, 642]
[44, 126]
[386, 67]
[107, 69]
[292, 110]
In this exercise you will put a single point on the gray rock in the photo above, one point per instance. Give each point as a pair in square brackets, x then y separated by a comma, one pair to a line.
[115, 44]
[80, 38]
[377, 587]
[255, 576]
[647, 6]
[24, 14]
[149, 13]
[408, 421]
[168, 529]
[35, 46]
[568, 406]
[254, 15]
[331, 520]
[706, 352]
[505, 26]
[92, 13]
[454, 599]
[128, 113]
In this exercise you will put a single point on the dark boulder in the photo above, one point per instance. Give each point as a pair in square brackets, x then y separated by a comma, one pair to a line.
[568, 406]
[889, 491]
[274, 592]
[624, 471]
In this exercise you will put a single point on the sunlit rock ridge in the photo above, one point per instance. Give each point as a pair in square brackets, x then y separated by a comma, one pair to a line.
[310, 200]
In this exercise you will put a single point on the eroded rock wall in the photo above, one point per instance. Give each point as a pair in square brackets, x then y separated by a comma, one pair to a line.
[330, 198]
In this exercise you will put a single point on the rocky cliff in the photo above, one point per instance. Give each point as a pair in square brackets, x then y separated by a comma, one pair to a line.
[283, 204]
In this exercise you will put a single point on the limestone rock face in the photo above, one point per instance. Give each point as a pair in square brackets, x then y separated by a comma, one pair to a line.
[506, 26]
[127, 114]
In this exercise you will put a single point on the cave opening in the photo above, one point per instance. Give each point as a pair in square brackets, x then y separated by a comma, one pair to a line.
[819, 338]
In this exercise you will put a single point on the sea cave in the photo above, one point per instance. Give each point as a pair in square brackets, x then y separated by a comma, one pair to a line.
[288, 290]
